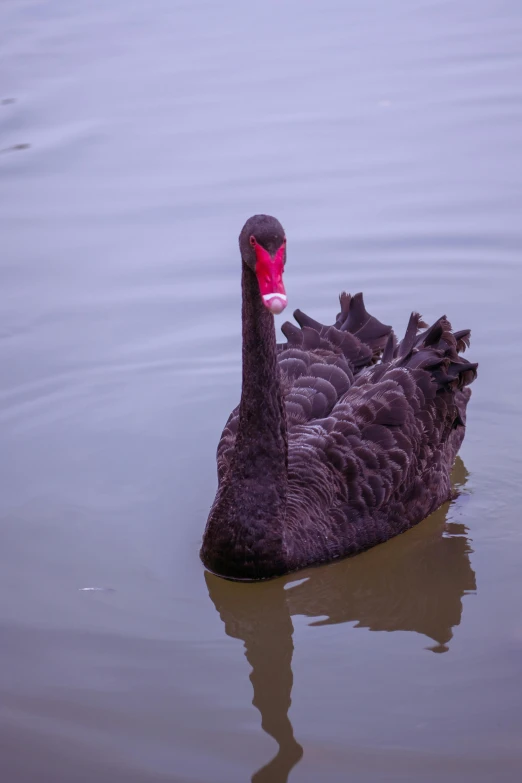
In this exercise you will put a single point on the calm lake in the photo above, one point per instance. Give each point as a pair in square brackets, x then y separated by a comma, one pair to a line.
[135, 139]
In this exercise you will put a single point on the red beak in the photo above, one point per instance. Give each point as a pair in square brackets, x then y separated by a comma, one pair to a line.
[269, 273]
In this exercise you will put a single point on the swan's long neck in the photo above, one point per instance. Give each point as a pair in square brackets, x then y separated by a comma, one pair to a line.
[261, 443]
[245, 535]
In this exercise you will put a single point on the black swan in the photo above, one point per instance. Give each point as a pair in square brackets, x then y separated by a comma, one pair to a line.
[342, 438]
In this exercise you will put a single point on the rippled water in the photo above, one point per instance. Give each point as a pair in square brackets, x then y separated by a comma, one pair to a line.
[136, 138]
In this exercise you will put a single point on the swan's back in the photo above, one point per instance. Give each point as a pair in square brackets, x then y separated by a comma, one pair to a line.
[373, 428]
[379, 459]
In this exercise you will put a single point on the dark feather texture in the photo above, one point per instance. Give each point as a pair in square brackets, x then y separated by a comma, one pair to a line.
[342, 440]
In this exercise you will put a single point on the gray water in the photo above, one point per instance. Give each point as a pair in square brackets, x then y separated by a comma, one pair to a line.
[136, 138]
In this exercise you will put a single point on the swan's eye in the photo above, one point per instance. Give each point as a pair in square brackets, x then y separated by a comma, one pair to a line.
[253, 241]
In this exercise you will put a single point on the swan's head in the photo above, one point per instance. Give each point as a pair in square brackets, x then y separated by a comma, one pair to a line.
[263, 248]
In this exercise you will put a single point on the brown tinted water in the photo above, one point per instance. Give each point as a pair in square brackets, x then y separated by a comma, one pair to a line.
[136, 138]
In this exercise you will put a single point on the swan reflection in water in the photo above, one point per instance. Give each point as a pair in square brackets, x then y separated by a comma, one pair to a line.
[415, 582]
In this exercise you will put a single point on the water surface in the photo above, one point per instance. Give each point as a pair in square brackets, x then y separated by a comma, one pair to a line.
[135, 140]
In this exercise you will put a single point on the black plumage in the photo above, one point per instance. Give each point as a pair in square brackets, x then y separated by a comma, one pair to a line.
[343, 437]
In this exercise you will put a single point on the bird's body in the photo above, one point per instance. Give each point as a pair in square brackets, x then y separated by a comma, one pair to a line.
[342, 439]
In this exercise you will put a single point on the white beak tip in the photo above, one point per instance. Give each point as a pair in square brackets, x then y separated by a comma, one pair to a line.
[276, 303]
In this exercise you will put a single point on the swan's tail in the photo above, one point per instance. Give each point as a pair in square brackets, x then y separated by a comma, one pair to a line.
[442, 374]
[437, 349]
